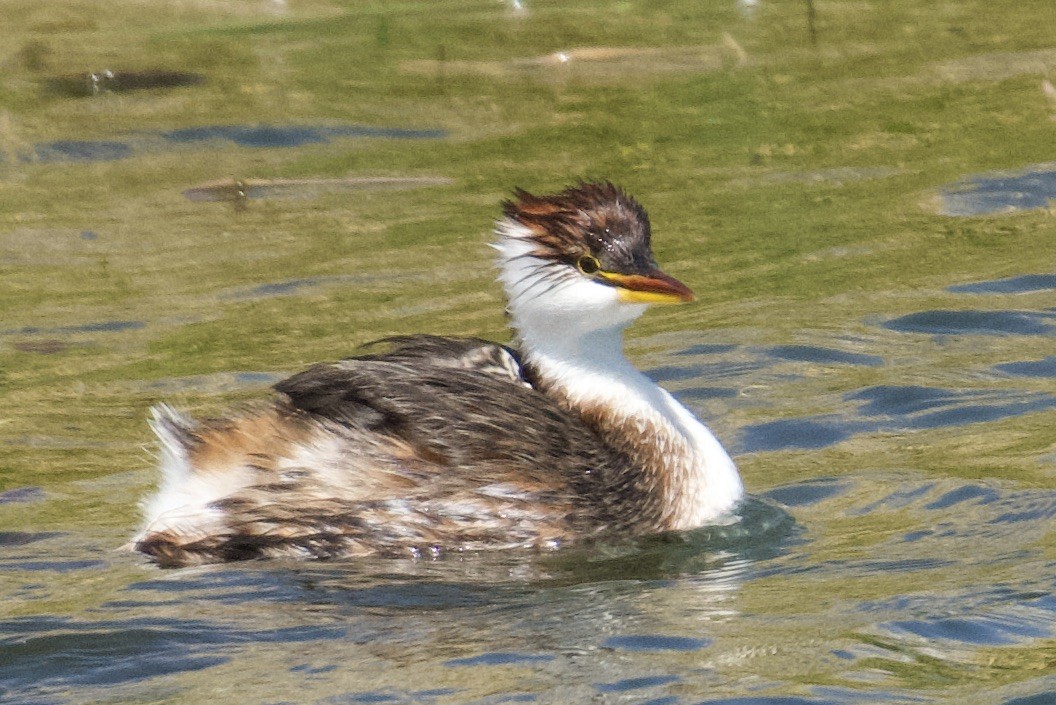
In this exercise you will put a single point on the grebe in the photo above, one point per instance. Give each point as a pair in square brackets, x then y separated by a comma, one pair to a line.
[447, 444]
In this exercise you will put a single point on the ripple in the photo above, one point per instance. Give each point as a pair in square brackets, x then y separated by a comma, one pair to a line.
[290, 135]
[97, 327]
[977, 630]
[968, 493]
[622, 686]
[22, 494]
[499, 658]
[21, 538]
[655, 642]
[1032, 368]
[973, 323]
[804, 433]
[1007, 192]
[811, 353]
[1012, 285]
[54, 651]
[53, 566]
[913, 407]
[81, 151]
[247, 136]
[807, 493]
[1040, 699]
[769, 700]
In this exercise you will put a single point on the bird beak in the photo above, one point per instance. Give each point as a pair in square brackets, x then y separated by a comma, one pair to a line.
[653, 287]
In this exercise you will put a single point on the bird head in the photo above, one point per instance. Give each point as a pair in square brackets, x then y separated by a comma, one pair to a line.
[581, 258]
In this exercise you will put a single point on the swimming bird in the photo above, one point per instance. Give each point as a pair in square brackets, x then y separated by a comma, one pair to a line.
[443, 445]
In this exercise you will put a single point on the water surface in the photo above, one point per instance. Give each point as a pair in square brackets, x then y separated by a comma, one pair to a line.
[881, 372]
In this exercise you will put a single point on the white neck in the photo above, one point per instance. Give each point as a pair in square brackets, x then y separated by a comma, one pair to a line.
[571, 335]
[700, 480]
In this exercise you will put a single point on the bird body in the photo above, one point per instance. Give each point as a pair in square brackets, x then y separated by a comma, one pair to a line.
[451, 444]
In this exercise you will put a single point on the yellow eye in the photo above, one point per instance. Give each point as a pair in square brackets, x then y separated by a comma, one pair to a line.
[588, 264]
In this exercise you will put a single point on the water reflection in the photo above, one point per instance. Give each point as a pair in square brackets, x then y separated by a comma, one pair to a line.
[1034, 187]
[247, 136]
[92, 83]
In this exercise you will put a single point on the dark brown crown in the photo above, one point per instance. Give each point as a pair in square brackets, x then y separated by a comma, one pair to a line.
[590, 218]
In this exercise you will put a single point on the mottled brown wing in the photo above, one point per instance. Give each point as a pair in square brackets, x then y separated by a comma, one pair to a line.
[460, 403]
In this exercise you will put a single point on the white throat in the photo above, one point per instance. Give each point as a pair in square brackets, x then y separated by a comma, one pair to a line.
[571, 333]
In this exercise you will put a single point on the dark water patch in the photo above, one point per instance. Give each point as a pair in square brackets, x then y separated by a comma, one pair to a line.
[1030, 509]
[627, 684]
[213, 383]
[759, 531]
[1040, 699]
[379, 696]
[288, 287]
[53, 566]
[292, 287]
[249, 136]
[666, 700]
[100, 327]
[375, 697]
[499, 658]
[707, 349]
[704, 393]
[788, 434]
[21, 538]
[81, 151]
[891, 408]
[291, 135]
[281, 288]
[240, 190]
[22, 494]
[967, 493]
[672, 373]
[892, 400]
[226, 587]
[91, 83]
[976, 630]
[905, 565]
[1031, 368]
[60, 652]
[811, 353]
[915, 407]
[979, 413]
[1013, 285]
[654, 642]
[973, 323]
[807, 493]
[769, 700]
[403, 594]
[42, 347]
[312, 670]
[1000, 193]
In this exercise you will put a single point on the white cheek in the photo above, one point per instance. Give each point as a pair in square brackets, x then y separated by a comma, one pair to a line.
[570, 303]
